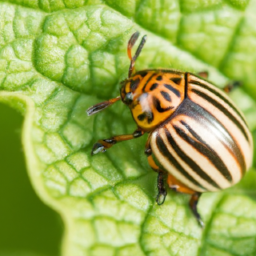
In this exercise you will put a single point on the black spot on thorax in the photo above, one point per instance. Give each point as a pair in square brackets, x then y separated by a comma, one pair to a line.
[141, 117]
[157, 104]
[176, 80]
[166, 96]
[134, 84]
[153, 86]
[143, 73]
[147, 114]
[172, 89]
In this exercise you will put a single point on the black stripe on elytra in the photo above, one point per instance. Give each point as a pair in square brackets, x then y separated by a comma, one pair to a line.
[209, 152]
[153, 86]
[172, 89]
[194, 166]
[209, 122]
[145, 85]
[164, 151]
[134, 84]
[159, 78]
[157, 104]
[204, 149]
[176, 80]
[166, 95]
[222, 109]
[220, 96]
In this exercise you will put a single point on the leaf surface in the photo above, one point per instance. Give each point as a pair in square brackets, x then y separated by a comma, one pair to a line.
[57, 58]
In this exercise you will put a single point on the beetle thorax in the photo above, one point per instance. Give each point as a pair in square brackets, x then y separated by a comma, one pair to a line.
[153, 96]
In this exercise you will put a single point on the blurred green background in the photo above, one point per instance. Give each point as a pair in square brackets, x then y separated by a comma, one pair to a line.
[27, 226]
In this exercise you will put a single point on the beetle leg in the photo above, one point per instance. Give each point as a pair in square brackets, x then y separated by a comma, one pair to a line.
[161, 175]
[203, 74]
[161, 188]
[232, 85]
[173, 183]
[177, 186]
[103, 145]
[193, 206]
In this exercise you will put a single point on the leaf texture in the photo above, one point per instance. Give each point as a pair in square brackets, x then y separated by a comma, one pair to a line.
[57, 58]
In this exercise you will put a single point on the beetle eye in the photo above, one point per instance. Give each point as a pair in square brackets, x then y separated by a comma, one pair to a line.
[128, 98]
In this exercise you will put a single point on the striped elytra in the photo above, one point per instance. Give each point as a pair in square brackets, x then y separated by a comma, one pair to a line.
[206, 143]
[198, 140]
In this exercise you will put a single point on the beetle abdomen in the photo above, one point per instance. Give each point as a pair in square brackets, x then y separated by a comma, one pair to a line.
[198, 150]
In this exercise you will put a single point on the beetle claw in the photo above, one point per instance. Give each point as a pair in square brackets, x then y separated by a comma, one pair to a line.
[198, 217]
[193, 206]
[161, 197]
[97, 148]
[200, 222]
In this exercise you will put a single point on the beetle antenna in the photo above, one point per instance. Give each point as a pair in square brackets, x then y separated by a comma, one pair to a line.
[131, 43]
[100, 106]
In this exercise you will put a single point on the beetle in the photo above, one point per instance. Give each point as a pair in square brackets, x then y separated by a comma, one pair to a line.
[198, 140]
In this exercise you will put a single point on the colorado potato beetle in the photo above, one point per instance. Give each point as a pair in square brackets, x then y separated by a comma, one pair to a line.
[198, 140]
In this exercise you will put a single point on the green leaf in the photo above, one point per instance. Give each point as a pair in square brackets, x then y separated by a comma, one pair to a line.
[57, 58]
